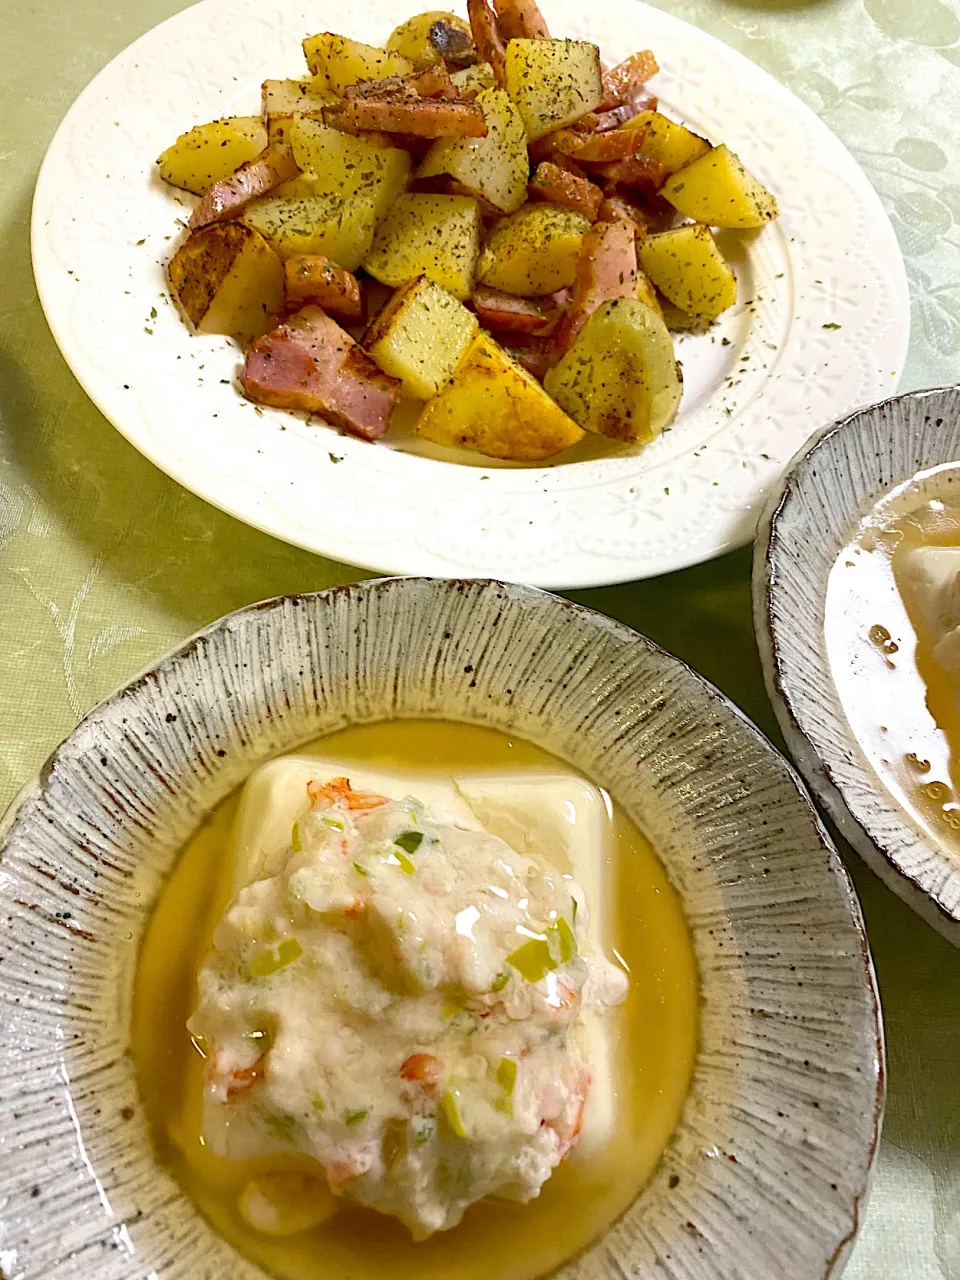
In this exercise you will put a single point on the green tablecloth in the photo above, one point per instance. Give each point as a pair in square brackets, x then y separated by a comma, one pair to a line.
[105, 563]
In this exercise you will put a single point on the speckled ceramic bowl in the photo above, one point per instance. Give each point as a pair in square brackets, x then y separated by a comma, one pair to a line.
[766, 1175]
[828, 488]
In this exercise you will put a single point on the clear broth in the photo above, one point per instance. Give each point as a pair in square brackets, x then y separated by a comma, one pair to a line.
[658, 1027]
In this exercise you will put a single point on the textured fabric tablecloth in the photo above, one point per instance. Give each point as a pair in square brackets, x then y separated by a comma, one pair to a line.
[105, 563]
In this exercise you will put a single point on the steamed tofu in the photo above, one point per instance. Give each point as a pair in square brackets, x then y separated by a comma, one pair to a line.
[560, 817]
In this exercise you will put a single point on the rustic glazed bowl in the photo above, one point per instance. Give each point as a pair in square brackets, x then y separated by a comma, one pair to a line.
[766, 1174]
[828, 489]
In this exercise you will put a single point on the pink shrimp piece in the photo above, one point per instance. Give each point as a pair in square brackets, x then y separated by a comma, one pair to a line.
[339, 791]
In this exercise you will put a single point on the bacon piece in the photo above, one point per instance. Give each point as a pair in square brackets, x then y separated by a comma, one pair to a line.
[310, 363]
[435, 82]
[487, 36]
[619, 209]
[533, 353]
[229, 197]
[558, 186]
[521, 20]
[606, 269]
[636, 172]
[617, 116]
[309, 277]
[601, 148]
[624, 82]
[422, 117]
[552, 146]
[510, 314]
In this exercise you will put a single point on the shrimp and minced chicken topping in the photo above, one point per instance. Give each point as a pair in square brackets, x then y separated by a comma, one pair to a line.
[402, 1000]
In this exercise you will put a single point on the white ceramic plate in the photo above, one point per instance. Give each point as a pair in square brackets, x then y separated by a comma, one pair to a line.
[836, 482]
[765, 1176]
[771, 373]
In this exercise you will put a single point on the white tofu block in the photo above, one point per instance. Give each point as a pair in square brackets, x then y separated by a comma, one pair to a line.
[931, 578]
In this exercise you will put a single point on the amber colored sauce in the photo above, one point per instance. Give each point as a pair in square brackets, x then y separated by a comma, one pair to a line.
[902, 706]
[656, 1029]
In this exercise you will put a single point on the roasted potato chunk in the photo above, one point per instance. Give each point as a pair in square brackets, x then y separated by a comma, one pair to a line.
[718, 191]
[494, 407]
[208, 153]
[420, 337]
[228, 280]
[434, 37]
[353, 168]
[553, 82]
[337, 62]
[479, 77]
[302, 217]
[284, 100]
[670, 144]
[433, 236]
[494, 168]
[620, 378]
[534, 252]
[688, 269]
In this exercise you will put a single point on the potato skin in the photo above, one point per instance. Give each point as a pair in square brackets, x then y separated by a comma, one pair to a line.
[228, 280]
[494, 407]
[429, 38]
[208, 153]
[620, 377]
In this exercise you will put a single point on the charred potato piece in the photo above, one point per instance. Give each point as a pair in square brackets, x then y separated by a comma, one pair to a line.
[228, 280]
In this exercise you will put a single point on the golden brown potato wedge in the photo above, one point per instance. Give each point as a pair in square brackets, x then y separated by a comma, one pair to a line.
[494, 407]
[337, 62]
[718, 191]
[534, 252]
[688, 268]
[209, 153]
[311, 278]
[228, 280]
[672, 145]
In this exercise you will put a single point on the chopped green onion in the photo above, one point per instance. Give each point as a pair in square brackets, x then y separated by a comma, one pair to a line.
[361, 871]
[409, 841]
[272, 961]
[404, 862]
[332, 822]
[501, 980]
[450, 1010]
[565, 942]
[507, 1076]
[356, 1117]
[295, 838]
[532, 960]
[450, 1110]
[318, 1103]
[576, 907]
